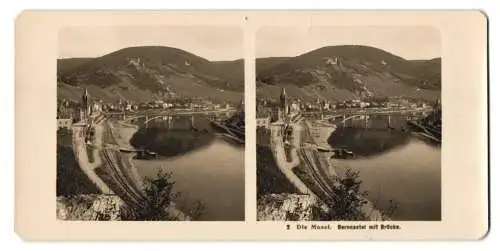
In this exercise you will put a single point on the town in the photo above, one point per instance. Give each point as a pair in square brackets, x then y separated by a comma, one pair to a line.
[269, 106]
[70, 109]
[269, 110]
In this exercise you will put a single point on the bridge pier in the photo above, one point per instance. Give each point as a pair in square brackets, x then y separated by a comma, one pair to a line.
[192, 121]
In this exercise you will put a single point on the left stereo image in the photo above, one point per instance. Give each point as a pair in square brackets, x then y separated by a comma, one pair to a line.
[150, 124]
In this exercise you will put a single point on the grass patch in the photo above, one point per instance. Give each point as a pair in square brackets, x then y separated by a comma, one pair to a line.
[71, 180]
[269, 178]
[90, 153]
[263, 137]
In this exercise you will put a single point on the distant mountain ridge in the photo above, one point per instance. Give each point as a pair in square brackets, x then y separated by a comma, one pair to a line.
[334, 73]
[150, 72]
[348, 72]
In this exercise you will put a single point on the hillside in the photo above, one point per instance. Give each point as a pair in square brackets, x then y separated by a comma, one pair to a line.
[150, 72]
[64, 65]
[347, 72]
[263, 64]
[233, 71]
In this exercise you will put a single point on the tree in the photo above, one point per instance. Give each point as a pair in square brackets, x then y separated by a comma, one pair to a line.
[157, 204]
[347, 198]
[157, 200]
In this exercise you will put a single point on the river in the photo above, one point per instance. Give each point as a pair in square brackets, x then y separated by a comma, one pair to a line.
[394, 165]
[206, 166]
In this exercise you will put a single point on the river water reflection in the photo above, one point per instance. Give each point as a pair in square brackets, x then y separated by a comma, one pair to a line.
[394, 164]
[205, 166]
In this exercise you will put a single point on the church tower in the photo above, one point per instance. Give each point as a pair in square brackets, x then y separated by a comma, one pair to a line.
[85, 104]
[283, 103]
[241, 111]
[322, 105]
[241, 105]
[437, 110]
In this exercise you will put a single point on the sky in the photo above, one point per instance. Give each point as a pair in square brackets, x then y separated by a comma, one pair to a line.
[212, 43]
[226, 43]
[407, 42]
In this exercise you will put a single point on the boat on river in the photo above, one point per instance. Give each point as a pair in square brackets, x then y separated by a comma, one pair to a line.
[342, 154]
[145, 154]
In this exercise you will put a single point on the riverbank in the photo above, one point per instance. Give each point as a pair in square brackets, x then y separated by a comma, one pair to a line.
[231, 132]
[426, 131]
[320, 132]
[124, 133]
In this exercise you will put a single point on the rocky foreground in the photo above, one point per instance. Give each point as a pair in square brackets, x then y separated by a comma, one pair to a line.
[91, 207]
[99, 207]
[288, 207]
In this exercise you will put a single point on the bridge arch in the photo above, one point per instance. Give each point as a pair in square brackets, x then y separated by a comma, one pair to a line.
[149, 119]
[133, 118]
[153, 118]
[351, 117]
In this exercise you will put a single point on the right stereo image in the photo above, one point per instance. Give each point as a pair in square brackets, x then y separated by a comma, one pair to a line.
[348, 123]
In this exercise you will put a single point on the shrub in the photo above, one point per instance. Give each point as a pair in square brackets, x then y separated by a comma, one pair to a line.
[157, 202]
[347, 198]
[158, 197]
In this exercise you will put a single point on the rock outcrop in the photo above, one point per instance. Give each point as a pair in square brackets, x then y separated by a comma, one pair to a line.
[89, 207]
[100, 207]
[288, 207]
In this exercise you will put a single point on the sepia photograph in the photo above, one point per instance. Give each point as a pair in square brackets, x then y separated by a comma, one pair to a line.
[150, 123]
[131, 125]
[348, 123]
